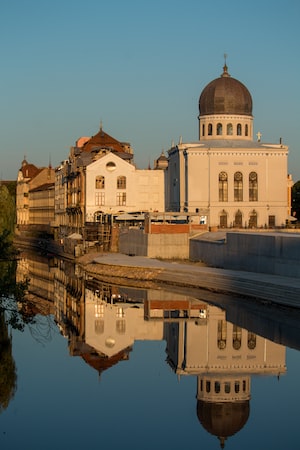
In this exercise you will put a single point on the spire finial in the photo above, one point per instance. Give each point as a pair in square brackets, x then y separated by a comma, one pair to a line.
[225, 68]
[100, 125]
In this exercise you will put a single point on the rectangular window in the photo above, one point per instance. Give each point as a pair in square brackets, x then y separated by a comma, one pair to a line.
[271, 221]
[100, 198]
[121, 198]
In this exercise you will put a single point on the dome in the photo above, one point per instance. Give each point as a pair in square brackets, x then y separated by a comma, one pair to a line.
[223, 419]
[225, 95]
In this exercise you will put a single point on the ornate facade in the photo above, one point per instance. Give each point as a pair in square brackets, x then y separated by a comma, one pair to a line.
[227, 176]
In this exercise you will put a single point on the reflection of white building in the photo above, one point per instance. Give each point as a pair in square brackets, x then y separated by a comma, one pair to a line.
[113, 327]
[227, 176]
[223, 356]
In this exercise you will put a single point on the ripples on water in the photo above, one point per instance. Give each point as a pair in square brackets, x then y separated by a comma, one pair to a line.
[109, 367]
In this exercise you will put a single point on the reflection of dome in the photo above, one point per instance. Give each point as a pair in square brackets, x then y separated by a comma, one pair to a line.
[225, 95]
[223, 419]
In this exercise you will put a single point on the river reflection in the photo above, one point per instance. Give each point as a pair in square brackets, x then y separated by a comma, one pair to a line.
[220, 346]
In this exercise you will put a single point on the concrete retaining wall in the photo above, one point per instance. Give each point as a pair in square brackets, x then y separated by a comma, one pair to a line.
[272, 253]
[166, 246]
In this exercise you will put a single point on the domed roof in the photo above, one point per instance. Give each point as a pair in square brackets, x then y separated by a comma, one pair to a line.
[223, 419]
[225, 95]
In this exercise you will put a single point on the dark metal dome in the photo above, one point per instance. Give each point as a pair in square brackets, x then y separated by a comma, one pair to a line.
[225, 95]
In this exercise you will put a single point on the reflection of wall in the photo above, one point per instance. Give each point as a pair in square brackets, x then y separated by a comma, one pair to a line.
[223, 356]
[40, 271]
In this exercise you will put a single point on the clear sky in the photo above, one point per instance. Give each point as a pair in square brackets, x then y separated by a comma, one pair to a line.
[139, 67]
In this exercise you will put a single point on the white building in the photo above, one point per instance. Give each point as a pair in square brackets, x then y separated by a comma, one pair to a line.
[113, 186]
[227, 176]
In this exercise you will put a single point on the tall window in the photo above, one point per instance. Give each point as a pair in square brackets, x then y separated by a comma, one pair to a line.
[238, 219]
[223, 187]
[223, 219]
[203, 130]
[238, 187]
[222, 334]
[239, 129]
[219, 129]
[121, 182]
[121, 198]
[100, 182]
[253, 219]
[246, 130]
[253, 187]
[210, 129]
[100, 199]
[229, 129]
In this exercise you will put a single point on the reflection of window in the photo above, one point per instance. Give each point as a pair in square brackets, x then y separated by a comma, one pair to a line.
[99, 326]
[217, 387]
[236, 387]
[253, 188]
[238, 187]
[121, 198]
[121, 326]
[100, 182]
[99, 198]
[227, 387]
[208, 386]
[236, 337]
[219, 129]
[222, 334]
[121, 182]
[223, 187]
[251, 340]
[229, 129]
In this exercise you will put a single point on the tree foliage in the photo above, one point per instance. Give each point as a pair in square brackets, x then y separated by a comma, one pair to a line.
[296, 200]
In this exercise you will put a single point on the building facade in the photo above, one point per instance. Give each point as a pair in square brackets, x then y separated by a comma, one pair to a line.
[228, 177]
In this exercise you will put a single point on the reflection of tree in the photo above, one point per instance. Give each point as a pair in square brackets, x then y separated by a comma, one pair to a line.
[12, 295]
[8, 377]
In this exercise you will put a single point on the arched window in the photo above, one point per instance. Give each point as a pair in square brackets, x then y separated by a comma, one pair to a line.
[253, 219]
[246, 130]
[239, 129]
[219, 129]
[210, 129]
[223, 219]
[238, 219]
[222, 334]
[217, 387]
[100, 182]
[203, 130]
[229, 129]
[238, 187]
[121, 182]
[223, 187]
[253, 187]
[236, 337]
[251, 340]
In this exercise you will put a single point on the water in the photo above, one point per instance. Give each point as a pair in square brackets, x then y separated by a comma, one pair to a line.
[113, 367]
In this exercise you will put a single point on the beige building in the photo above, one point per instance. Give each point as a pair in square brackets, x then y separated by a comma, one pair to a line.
[35, 195]
[100, 179]
[228, 177]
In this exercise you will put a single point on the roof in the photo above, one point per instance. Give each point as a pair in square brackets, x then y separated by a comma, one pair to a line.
[102, 140]
[225, 95]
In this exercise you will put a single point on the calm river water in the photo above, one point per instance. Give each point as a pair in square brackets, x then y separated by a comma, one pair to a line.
[109, 367]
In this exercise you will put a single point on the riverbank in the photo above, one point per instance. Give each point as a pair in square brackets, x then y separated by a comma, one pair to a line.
[147, 272]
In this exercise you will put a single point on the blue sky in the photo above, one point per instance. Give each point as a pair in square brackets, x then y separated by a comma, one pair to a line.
[139, 67]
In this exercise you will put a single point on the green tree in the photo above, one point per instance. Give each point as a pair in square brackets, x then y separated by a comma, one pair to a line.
[296, 200]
